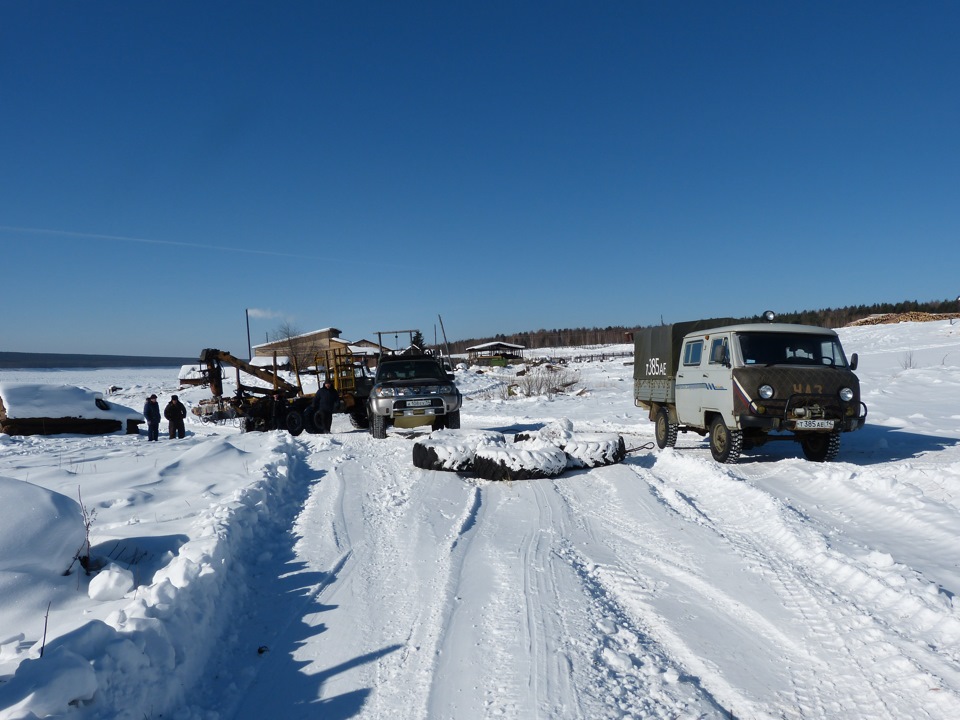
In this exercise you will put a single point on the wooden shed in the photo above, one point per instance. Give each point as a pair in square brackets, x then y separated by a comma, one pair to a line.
[495, 353]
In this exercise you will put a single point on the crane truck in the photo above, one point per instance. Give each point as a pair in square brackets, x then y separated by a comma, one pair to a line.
[279, 404]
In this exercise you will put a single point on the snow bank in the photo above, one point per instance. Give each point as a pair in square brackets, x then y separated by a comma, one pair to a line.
[149, 653]
[42, 536]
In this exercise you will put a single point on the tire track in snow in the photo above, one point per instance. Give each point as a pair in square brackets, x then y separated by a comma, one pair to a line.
[641, 565]
[848, 630]
[505, 630]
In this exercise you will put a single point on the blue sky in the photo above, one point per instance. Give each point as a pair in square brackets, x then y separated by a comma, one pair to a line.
[507, 165]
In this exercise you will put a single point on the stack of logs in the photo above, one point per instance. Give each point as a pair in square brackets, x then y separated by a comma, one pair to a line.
[892, 318]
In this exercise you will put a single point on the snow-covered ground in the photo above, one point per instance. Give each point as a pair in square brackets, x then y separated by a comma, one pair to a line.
[260, 575]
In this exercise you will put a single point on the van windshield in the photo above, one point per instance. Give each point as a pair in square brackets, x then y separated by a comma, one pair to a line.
[791, 349]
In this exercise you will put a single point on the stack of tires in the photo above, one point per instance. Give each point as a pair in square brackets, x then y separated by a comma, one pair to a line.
[541, 454]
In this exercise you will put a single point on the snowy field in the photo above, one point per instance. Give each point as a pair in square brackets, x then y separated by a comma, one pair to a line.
[252, 575]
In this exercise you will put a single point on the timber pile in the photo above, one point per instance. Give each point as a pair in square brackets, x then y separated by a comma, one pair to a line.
[893, 318]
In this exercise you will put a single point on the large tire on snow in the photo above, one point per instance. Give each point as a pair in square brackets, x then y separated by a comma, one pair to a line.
[452, 451]
[453, 420]
[378, 426]
[725, 444]
[520, 461]
[594, 450]
[309, 421]
[582, 449]
[820, 447]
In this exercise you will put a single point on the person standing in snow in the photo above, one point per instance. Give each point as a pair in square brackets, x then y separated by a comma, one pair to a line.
[151, 413]
[278, 412]
[175, 412]
[324, 403]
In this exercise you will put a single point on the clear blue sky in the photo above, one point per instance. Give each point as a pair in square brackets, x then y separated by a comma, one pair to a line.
[507, 165]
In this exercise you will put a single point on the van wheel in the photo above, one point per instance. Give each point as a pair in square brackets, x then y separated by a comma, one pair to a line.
[453, 420]
[665, 431]
[725, 444]
[820, 447]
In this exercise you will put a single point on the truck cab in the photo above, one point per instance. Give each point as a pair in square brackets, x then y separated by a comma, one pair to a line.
[745, 384]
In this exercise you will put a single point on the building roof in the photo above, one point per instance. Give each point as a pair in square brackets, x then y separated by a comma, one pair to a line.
[331, 332]
[497, 346]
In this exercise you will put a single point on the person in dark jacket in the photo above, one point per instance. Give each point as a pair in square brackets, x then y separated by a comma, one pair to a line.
[324, 404]
[175, 412]
[151, 413]
[278, 412]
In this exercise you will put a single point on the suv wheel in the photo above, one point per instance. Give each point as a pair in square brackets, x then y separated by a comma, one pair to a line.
[453, 420]
[378, 426]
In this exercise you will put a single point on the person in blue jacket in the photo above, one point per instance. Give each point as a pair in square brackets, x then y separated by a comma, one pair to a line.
[151, 413]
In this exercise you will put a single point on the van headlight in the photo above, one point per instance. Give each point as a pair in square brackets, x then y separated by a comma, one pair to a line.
[766, 392]
[846, 394]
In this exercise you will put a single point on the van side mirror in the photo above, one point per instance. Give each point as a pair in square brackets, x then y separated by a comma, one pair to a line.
[854, 361]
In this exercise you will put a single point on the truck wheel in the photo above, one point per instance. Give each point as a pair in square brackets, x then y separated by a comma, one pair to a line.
[359, 420]
[294, 422]
[378, 426]
[453, 420]
[665, 431]
[725, 443]
[820, 447]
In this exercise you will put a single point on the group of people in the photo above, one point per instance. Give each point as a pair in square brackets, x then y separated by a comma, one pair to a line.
[175, 412]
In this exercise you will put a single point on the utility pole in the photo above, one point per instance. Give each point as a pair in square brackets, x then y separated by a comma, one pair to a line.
[249, 346]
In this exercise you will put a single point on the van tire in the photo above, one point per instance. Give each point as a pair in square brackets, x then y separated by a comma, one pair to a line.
[664, 430]
[725, 444]
[820, 447]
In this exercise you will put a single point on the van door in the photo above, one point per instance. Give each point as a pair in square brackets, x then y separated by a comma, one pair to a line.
[690, 382]
[717, 393]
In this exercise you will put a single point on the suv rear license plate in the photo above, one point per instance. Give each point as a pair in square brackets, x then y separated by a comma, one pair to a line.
[417, 403]
[815, 424]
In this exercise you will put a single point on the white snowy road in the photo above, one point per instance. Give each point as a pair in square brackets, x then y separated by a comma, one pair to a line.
[667, 586]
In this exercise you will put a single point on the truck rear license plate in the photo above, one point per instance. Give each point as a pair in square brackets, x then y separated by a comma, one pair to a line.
[815, 424]
[417, 403]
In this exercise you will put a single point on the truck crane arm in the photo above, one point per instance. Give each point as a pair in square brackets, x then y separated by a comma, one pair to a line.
[212, 360]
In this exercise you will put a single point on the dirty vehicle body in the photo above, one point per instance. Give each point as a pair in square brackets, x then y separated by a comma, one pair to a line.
[281, 404]
[412, 391]
[746, 384]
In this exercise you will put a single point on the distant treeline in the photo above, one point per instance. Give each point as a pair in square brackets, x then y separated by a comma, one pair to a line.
[828, 317]
[34, 361]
